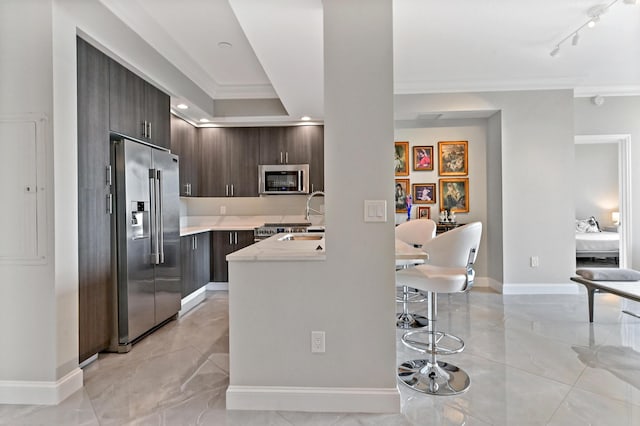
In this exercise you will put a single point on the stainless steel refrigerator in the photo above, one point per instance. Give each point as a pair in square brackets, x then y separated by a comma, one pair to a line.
[146, 239]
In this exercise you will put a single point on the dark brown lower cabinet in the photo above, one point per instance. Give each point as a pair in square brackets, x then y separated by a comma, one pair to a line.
[223, 243]
[195, 258]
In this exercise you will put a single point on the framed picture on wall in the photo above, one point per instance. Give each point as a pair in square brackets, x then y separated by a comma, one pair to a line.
[402, 190]
[424, 212]
[401, 160]
[423, 193]
[454, 194]
[422, 158]
[453, 158]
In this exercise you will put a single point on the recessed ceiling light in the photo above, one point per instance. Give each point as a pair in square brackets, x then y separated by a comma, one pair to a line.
[305, 118]
[182, 106]
[204, 120]
[224, 45]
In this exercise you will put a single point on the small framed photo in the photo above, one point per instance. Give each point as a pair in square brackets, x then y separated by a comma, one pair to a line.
[424, 212]
[402, 190]
[454, 194]
[424, 193]
[422, 158]
[401, 160]
[453, 158]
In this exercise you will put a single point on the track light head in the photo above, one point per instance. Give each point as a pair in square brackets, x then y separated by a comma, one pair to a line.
[555, 51]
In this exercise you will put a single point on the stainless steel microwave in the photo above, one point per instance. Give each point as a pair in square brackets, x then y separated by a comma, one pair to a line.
[283, 179]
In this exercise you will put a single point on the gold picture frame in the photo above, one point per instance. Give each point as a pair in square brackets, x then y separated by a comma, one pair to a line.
[423, 158]
[401, 159]
[402, 189]
[424, 212]
[423, 193]
[453, 158]
[454, 194]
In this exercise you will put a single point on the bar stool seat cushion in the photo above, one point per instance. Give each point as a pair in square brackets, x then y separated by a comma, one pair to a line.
[438, 279]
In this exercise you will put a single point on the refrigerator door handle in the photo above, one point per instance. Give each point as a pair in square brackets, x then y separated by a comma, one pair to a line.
[154, 217]
[160, 208]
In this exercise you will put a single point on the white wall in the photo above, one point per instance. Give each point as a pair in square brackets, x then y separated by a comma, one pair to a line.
[360, 290]
[618, 115]
[537, 157]
[596, 181]
[38, 302]
[473, 131]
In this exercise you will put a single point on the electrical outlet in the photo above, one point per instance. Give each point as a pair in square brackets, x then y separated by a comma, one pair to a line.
[534, 261]
[223, 210]
[317, 341]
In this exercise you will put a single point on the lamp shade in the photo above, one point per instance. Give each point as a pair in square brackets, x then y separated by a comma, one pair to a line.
[615, 218]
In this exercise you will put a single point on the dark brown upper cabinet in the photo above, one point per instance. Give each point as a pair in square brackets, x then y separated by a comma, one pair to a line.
[137, 108]
[229, 161]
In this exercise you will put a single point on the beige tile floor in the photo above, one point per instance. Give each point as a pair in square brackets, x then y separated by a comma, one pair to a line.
[533, 360]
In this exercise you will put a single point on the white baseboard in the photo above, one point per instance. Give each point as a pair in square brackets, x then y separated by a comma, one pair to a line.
[191, 301]
[218, 286]
[312, 399]
[40, 393]
[529, 288]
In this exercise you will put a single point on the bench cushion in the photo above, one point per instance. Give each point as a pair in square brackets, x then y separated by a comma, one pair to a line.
[609, 274]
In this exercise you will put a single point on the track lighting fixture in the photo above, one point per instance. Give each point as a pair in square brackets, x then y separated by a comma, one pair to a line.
[575, 39]
[594, 14]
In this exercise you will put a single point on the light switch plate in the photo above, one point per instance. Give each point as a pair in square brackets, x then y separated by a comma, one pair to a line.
[375, 210]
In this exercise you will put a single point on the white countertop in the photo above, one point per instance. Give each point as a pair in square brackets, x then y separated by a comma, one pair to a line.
[197, 224]
[278, 248]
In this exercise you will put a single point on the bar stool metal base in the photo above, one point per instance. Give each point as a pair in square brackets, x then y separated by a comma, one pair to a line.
[433, 341]
[408, 320]
[439, 379]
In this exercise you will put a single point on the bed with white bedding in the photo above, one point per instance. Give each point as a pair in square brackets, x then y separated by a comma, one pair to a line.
[592, 242]
[597, 244]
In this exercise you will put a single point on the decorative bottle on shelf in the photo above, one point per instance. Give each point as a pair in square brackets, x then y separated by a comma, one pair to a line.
[443, 216]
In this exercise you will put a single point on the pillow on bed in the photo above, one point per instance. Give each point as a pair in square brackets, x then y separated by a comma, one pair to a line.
[609, 274]
[587, 225]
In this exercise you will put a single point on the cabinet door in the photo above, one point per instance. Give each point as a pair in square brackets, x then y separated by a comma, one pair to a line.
[185, 145]
[223, 243]
[272, 145]
[212, 168]
[202, 260]
[221, 246]
[187, 264]
[126, 95]
[156, 113]
[316, 160]
[94, 222]
[241, 160]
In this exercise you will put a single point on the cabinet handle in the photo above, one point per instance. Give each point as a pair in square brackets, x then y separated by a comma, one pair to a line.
[149, 130]
[311, 187]
[193, 242]
[108, 179]
[286, 157]
[187, 189]
[226, 190]
[232, 190]
[280, 157]
[230, 238]
[109, 204]
[144, 129]
[236, 235]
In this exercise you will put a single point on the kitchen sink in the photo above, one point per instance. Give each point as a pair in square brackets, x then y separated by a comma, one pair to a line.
[291, 237]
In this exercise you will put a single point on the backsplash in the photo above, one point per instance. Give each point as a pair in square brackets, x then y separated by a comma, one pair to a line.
[247, 206]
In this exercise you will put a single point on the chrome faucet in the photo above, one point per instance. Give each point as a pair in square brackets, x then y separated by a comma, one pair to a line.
[308, 209]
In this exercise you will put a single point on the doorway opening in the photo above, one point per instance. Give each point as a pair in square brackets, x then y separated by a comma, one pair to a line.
[623, 207]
